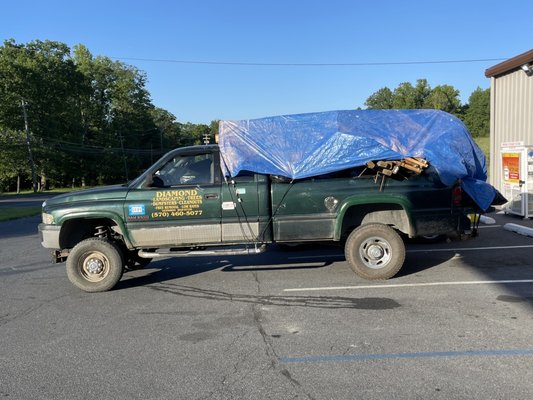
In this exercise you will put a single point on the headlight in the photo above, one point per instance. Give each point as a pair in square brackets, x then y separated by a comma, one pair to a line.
[48, 219]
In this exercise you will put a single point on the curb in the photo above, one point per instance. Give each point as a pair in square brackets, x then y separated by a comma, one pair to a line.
[521, 230]
[487, 220]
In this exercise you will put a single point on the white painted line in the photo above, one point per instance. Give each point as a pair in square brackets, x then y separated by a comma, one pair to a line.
[404, 285]
[527, 246]
[489, 226]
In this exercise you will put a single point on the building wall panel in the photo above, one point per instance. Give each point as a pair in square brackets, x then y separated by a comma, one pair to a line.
[511, 116]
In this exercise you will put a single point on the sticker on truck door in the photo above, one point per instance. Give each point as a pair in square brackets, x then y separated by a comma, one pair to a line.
[135, 210]
[228, 205]
[177, 203]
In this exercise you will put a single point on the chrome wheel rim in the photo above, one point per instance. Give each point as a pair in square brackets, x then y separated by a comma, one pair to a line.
[375, 252]
[94, 266]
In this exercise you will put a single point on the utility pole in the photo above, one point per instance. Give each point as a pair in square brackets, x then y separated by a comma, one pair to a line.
[124, 156]
[207, 138]
[28, 143]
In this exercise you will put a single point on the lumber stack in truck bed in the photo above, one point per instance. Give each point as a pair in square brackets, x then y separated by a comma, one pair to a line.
[401, 168]
[392, 167]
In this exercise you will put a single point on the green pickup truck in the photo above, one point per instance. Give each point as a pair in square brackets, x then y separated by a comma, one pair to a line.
[184, 206]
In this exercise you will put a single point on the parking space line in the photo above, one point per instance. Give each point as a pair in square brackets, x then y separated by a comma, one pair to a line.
[406, 285]
[392, 356]
[527, 246]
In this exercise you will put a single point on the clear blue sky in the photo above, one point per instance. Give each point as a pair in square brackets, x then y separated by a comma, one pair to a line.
[276, 31]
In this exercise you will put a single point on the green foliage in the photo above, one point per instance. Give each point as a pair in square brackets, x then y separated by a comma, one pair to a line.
[9, 213]
[407, 96]
[477, 114]
[383, 99]
[445, 98]
[484, 144]
[91, 118]
[13, 156]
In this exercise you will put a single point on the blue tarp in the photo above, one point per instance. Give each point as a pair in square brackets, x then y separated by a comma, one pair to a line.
[304, 145]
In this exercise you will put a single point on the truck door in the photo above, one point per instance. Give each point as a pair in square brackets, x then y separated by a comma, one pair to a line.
[181, 206]
[246, 209]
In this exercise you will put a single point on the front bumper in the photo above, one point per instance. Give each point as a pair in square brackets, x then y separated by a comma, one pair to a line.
[49, 235]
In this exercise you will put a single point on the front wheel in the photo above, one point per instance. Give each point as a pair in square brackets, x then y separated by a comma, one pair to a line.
[375, 251]
[95, 265]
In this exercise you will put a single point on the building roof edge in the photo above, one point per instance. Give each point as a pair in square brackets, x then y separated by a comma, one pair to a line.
[510, 64]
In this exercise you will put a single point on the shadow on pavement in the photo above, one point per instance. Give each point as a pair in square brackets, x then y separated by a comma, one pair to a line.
[20, 227]
[175, 268]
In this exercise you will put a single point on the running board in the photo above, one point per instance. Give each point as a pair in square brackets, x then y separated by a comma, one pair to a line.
[245, 251]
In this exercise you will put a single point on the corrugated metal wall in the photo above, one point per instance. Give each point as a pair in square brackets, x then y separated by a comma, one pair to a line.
[511, 116]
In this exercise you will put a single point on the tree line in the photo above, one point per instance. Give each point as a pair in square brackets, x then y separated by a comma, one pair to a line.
[89, 120]
[475, 114]
[69, 118]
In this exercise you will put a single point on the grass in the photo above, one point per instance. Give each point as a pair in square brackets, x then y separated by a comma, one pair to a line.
[9, 213]
[484, 144]
[29, 192]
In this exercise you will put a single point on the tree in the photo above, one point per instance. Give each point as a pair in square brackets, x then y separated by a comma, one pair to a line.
[193, 134]
[477, 115]
[118, 118]
[91, 118]
[12, 155]
[168, 129]
[213, 127]
[407, 96]
[445, 98]
[42, 75]
[404, 96]
[381, 100]
[422, 92]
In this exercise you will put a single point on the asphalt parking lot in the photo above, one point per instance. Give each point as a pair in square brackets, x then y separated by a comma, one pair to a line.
[295, 323]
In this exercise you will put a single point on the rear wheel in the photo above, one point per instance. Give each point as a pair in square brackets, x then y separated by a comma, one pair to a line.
[375, 251]
[95, 265]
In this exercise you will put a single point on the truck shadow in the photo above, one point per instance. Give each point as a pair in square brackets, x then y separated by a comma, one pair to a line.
[324, 302]
[475, 260]
[171, 269]
[419, 262]
[303, 257]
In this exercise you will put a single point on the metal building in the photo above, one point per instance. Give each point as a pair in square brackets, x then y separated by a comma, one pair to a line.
[511, 110]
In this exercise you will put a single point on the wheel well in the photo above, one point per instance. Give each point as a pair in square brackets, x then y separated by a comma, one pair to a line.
[76, 230]
[390, 214]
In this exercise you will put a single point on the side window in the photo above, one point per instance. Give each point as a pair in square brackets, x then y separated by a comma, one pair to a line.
[186, 170]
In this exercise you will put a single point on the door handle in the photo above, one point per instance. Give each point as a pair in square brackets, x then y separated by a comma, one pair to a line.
[211, 196]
